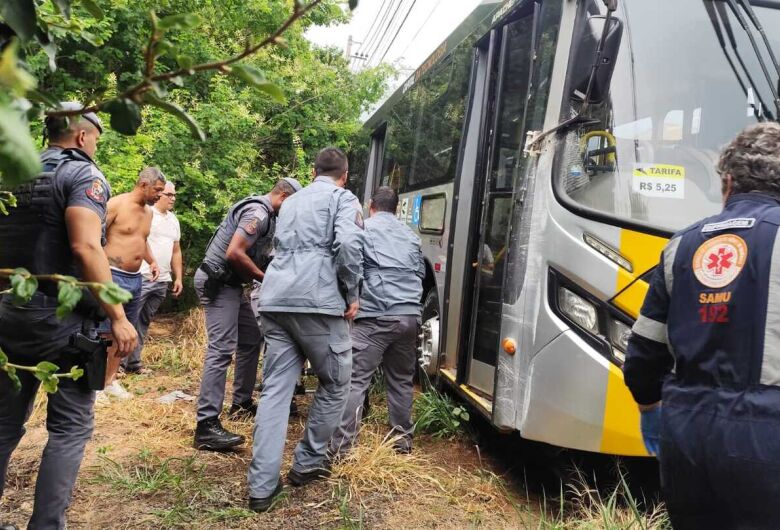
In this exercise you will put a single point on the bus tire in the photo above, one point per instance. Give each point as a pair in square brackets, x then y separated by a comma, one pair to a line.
[428, 348]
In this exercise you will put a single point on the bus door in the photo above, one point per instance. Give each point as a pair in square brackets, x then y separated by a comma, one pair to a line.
[502, 161]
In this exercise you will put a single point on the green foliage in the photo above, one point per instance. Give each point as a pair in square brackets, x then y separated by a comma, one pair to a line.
[438, 414]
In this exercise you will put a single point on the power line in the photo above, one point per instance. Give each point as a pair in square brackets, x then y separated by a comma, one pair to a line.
[422, 26]
[384, 34]
[376, 19]
[379, 29]
[398, 31]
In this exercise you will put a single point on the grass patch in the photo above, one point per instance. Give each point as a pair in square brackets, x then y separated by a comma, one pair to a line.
[152, 475]
[590, 509]
[437, 414]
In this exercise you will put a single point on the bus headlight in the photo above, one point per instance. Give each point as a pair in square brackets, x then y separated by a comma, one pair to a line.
[579, 310]
[619, 333]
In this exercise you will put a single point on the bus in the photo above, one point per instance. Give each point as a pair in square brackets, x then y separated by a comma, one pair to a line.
[544, 154]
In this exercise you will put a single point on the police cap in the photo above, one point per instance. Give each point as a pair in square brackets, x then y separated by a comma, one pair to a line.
[294, 183]
[55, 124]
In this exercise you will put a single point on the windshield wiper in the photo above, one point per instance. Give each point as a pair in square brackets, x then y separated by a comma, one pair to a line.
[719, 18]
[745, 5]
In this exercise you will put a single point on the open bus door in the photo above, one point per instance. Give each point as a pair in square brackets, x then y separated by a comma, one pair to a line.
[511, 50]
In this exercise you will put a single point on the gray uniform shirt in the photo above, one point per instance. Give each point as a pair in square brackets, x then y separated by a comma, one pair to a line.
[318, 258]
[252, 218]
[393, 268]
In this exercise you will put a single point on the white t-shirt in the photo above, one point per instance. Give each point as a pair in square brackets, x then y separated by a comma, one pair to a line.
[165, 232]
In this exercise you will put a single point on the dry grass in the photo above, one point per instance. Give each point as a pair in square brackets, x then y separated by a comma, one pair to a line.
[140, 470]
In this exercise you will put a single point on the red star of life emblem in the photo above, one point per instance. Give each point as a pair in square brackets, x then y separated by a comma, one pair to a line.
[720, 261]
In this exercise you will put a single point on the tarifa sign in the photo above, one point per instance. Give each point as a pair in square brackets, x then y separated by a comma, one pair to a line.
[434, 58]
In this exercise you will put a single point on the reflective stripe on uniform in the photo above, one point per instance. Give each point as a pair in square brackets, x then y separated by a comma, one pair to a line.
[650, 329]
[770, 364]
[670, 252]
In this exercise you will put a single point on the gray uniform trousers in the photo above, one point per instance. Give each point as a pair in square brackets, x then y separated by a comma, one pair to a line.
[69, 420]
[291, 338]
[152, 296]
[231, 327]
[390, 341]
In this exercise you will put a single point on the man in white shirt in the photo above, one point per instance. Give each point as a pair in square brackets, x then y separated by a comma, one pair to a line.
[164, 243]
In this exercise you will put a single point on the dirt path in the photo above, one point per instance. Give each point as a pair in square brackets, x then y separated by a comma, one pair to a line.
[140, 470]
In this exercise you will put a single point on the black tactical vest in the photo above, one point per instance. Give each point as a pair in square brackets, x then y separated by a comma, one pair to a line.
[34, 235]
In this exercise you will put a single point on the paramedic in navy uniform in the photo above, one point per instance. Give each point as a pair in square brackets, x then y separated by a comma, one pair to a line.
[703, 360]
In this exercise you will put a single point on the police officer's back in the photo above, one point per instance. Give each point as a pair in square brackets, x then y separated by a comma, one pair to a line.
[57, 227]
[310, 289]
[707, 343]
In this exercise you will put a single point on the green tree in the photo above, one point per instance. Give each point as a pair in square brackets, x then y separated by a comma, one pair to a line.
[225, 96]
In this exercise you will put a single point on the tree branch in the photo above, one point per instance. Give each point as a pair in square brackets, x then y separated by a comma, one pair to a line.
[134, 93]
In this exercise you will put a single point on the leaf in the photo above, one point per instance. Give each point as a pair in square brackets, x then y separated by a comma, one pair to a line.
[91, 38]
[68, 295]
[76, 373]
[23, 286]
[465, 416]
[19, 160]
[3, 360]
[164, 46]
[50, 384]
[180, 21]
[64, 7]
[177, 81]
[45, 367]
[20, 16]
[111, 293]
[11, 371]
[16, 79]
[125, 116]
[179, 112]
[93, 9]
[353, 4]
[257, 79]
[185, 61]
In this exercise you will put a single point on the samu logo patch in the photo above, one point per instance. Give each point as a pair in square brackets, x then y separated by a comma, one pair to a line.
[719, 261]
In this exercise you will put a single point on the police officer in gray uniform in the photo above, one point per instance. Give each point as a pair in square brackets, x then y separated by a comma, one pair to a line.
[385, 330]
[312, 289]
[58, 226]
[237, 254]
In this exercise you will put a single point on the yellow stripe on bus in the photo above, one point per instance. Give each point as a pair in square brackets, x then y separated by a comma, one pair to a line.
[620, 431]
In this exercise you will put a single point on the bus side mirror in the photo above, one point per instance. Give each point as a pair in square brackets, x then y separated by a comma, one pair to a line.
[587, 45]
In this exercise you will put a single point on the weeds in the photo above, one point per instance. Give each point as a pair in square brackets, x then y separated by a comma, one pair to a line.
[151, 475]
[347, 521]
[439, 415]
[589, 509]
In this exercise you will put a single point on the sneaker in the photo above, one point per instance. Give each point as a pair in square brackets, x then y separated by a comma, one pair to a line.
[138, 371]
[263, 504]
[301, 478]
[116, 390]
[101, 399]
[243, 411]
[211, 436]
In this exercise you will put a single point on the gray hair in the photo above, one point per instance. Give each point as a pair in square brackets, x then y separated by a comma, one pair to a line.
[150, 175]
[753, 160]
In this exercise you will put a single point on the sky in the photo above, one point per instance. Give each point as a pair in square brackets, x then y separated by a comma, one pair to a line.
[427, 25]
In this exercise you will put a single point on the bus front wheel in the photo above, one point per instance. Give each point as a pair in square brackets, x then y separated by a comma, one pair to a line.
[428, 343]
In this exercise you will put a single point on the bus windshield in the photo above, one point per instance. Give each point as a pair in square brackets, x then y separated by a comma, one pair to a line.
[686, 81]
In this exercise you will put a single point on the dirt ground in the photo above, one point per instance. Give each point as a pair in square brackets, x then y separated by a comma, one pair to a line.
[140, 470]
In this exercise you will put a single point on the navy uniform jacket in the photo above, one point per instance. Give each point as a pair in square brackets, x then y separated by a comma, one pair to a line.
[318, 254]
[393, 268]
[707, 340]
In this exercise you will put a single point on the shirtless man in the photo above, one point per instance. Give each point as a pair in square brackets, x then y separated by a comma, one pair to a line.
[128, 223]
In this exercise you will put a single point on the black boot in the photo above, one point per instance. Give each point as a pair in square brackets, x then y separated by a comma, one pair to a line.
[293, 407]
[298, 478]
[211, 436]
[263, 504]
[241, 411]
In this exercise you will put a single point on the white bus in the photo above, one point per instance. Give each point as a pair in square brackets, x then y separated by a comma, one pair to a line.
[544, 188]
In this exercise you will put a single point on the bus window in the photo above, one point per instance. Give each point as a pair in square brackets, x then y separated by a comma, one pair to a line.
[358, 160]
[399, 143]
